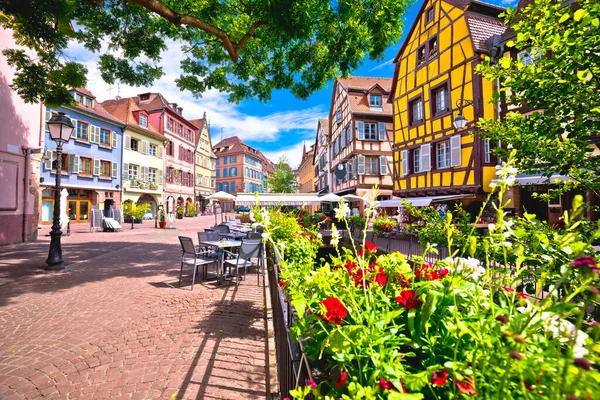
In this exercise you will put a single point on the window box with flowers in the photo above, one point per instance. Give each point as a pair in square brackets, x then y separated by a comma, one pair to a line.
[381, 327]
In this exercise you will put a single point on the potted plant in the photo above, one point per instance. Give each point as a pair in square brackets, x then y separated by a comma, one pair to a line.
[162, 218]
[135, 211]
[179, 212]
[191, 210]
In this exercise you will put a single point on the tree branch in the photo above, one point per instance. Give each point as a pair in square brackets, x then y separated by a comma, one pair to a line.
[177, 19]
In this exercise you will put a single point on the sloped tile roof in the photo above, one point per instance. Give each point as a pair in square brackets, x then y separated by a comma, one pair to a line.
[481, 28]
[97, 108]
[124, 109]
[360, 104]
[325, 125]
[366, 83]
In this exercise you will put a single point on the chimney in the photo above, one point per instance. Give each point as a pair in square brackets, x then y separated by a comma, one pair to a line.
[180, 110]
[204, 115]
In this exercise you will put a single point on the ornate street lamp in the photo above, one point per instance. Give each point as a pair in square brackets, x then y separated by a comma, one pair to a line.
[60, 128]
[460, 121]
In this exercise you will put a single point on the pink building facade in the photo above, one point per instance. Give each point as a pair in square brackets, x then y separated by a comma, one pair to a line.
[21, 147]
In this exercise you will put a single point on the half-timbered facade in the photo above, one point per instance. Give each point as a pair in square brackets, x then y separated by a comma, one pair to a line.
[434, 81]
[306, 171]
[360, 126]
[321, 161]
[205, 164]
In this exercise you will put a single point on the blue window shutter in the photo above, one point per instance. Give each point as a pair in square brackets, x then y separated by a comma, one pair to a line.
[382, 131]
[361, 130]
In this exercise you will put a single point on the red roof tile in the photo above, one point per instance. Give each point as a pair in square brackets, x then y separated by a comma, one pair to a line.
[481, 28]
[96, 108]
[124, 109]
[366, 82]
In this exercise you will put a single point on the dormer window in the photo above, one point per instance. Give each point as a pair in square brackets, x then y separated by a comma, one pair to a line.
[89, 102]
[375, 101]
[79, 98]
[145, 96]
[143, 121]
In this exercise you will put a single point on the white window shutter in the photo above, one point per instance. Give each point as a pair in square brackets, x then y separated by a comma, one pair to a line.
[160, 152]
[115, 170]
[96, 166]
[404, 155]
[127, 142]
[160, 177]
[48, 116]
[74, 133]
[383, 169]
[71, 163]
[361, 164]
[145, 145]
[125, 173]
[143, 175]
[361, 130]
[455, 151]
[113, 137]
[426, 157]
[49, 159]
[349, 130]
[382, 131]
[76, 165]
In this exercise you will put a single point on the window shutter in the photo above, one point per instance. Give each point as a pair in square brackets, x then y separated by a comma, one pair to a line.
[113, 137]
[160, 177]
[349, 130]
[96, 167]
[404, 155]
[382, 129]
[48, 116]
[160, 152]
[125, 173]
[145, 145]
[127, 142]
[343, 138]
[361, 130]
[455, 151]
[426, 157]
[361, 164]
[72, 163]
[115, 170]
[49, 159]
[74, 133]
[383, 169]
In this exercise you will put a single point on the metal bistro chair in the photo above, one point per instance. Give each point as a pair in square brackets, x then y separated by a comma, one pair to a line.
[222, 229]
[248, 250]
[191, 256]
[254, 235]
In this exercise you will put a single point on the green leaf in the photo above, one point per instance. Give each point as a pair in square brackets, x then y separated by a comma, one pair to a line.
[564, 17]
[579, 14]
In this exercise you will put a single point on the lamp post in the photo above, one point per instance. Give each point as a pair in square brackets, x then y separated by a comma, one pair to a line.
[460, 121]
[60, 128]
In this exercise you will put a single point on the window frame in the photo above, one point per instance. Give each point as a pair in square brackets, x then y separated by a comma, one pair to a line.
[137, 145]
[82, 161]
[447, 154]
[87, 131]
[435, 113]
[411, 117]
[437, 47]
[421, 55]
[373, 104]
[145, 118]
[416, 164]
[369, 165]
[102, 175]
[429, 14]
[374, 132]
[109, 137]
[152, 149]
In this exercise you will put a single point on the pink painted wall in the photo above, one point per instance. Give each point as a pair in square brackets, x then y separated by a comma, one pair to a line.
[21, 127]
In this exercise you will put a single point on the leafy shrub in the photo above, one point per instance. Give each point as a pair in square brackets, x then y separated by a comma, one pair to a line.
[384, 223]
[191, 210]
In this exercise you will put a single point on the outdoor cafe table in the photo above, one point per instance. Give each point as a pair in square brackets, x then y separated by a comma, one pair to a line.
[220, 246]
[234, 235]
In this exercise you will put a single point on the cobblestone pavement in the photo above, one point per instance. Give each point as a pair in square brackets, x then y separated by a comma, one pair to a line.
[116, 324]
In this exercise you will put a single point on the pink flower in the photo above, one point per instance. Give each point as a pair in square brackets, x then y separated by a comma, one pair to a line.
[341, 380]
[586, 262]
[311, 383]
[387, 385]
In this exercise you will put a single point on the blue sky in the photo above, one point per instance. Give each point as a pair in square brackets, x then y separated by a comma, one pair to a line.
[278, 128]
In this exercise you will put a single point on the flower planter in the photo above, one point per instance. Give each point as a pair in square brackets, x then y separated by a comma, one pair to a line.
[162, 225]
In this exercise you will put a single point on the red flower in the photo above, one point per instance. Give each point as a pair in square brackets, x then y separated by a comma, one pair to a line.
[311, 383]
[387, 385]
[403, 280]
[439, 378]
[409, 299]
[466, 386]
[350, 265]
[336, 311]
[381, 277]
[341, 380]
[370, 247]
[511, 290]
[586, 262]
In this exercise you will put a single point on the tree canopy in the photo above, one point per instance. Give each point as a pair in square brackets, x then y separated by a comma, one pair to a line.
[283, 179]
[562, 83]
[247, 48]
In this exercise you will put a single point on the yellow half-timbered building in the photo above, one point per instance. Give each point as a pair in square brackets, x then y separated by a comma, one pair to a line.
[434, 83]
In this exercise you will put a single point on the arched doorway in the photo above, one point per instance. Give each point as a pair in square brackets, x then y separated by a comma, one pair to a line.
[148, 199]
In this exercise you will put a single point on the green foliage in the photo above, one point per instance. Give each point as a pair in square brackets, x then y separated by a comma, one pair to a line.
[564, 84]
[357, 221]
[283, 179]
[162, 215]
[389, 325]
[245, 48]
[191, 210]
[384, 223]
[137, 211]
[179, 212]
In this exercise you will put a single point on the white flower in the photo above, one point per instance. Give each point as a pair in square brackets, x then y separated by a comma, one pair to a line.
[467, 266]
[342, 210]
[491, 227]
[319, 236]
[335, 235]
[252, 216]
[282, 245]
[266, 217]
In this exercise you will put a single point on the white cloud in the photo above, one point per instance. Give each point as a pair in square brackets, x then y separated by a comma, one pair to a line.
[221, 113]
[292, 153]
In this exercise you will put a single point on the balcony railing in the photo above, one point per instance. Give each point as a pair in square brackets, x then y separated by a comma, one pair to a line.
[138, 184]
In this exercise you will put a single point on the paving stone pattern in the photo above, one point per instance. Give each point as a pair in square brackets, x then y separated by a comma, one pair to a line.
[116, 324]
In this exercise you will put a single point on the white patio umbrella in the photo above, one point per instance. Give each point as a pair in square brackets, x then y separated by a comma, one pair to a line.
[352, 197]
[330, 197]
[220, 196]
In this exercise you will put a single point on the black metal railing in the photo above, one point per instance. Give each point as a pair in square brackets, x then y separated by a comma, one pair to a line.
[292, 367]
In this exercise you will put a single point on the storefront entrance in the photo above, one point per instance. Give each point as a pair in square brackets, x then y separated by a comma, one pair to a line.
[79, 203]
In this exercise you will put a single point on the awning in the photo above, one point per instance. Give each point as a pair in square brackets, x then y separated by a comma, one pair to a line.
[525, 179]
[422, 201]
[277, 199]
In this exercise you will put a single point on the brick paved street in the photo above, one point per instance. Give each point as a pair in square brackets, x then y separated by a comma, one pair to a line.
[115, 323]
